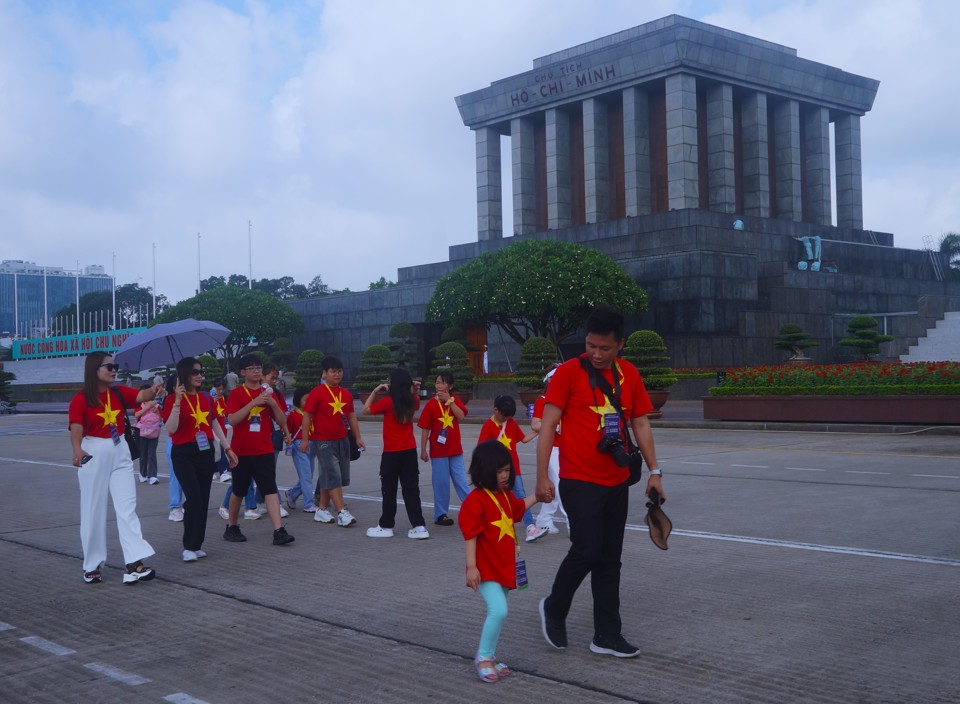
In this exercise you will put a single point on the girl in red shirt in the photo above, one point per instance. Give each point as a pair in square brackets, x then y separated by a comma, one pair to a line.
[504, 429]
[487, 517]
[398, 463]
[104, 468]
[190, 417]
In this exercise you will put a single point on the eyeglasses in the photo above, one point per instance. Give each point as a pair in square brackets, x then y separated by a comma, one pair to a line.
[198, 372]
[253, 368]
[111, 367]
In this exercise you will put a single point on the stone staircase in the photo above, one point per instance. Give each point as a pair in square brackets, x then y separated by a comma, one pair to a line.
[941, 344]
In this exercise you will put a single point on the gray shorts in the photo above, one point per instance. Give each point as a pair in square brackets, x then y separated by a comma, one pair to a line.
[333, 458]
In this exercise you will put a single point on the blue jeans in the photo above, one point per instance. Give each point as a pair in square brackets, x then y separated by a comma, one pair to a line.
[445, 470]
[176, 493]
[521, 493]
[303, 463]
[249, 501]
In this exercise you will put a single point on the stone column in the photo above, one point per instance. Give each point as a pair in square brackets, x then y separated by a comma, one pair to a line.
[786, 126]
[816, 123]
[849, 172]
[489, 185]
[559, 196]
[596, 161]
[636, 151]
[756, 160]
[721, 163]
[683, 188]
[524, 176]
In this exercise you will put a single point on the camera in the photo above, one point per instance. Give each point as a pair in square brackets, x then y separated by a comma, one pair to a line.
[612, 445]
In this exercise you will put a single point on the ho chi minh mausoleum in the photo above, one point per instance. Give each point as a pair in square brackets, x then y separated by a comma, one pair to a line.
[700, 160]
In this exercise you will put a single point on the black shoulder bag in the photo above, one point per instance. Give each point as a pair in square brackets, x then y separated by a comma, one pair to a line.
[132, 442]
[597, 381]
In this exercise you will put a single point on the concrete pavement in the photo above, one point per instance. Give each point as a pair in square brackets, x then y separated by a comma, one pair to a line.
[804, 567]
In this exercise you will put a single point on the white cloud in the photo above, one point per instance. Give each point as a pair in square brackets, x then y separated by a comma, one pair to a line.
[332, 126]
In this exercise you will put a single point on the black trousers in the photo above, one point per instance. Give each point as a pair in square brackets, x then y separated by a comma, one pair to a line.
[194, 469]
[400, 467]
[597, 516]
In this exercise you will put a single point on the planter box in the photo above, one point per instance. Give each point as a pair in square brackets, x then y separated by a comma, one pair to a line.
[926, 410]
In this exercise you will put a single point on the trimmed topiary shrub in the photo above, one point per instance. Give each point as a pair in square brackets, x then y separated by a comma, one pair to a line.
[645, 350]
[452, 356]
[536, 356]
[376, 363]
[792, 338]
[308, 369]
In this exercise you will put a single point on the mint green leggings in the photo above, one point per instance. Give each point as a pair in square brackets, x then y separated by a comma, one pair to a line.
[495, 594]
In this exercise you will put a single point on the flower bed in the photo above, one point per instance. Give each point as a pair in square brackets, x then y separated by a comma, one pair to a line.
[927, 393]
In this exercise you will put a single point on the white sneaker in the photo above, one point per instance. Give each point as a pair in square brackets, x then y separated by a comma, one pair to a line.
[224, 513]
[251, 514]
[200, 553]
[226, 478]
[143, 480]
[153, 480]
[176, 515]
[190, 556]
[534, 532]
[418, 533]
[261, 509]
[379, 532]
[322, 515]
[549, 527]
[283, 512]
[345, 518]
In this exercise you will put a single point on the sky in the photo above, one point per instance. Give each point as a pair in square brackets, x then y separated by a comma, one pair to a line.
[326, 133]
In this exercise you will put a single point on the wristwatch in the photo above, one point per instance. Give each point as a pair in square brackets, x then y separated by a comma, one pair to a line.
[656, 472]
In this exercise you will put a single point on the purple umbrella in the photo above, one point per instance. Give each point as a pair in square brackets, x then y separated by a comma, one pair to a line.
[168, 343]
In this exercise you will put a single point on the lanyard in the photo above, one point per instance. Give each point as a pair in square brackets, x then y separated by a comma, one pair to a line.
[444, 413]
[195, 413]
[504, 516]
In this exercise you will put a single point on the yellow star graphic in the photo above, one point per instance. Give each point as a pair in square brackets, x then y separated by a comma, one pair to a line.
[200, 417]
[607, 407]
[109, 415]
[337, 405]
[506, 442]
[254, 412]
[506, 528]
[445, 418]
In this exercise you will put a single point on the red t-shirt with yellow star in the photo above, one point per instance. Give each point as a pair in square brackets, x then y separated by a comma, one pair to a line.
[197, 412]
[397, 436]
[491, 521]
[436, 418]
[538, 413]
[583, 419]
[221, 411]
[510, 438]
[96, 420]
[330, 406]
[246, 443]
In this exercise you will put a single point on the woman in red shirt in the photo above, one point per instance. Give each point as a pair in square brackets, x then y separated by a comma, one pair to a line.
[398, 463]
[191, 419]
[97, 421]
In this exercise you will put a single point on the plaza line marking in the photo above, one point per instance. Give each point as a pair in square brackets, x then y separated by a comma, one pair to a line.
[183, 698]
[937, 476]
[837, 549]
[47, 645]
[751, 466]
[7, 627]
[855, 471]
[116, 673]
[709, 464]
[806, 469]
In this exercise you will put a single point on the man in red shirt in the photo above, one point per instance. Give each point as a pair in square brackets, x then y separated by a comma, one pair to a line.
[593, 485]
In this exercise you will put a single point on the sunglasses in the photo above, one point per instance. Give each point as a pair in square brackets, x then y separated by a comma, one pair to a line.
[111, 367]
[198, 372]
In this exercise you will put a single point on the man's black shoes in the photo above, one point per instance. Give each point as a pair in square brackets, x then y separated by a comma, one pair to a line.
[233, 535]
[554, 629]
[281, 536]
[616, 646]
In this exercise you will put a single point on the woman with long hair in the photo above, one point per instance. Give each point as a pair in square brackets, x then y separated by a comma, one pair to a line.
[398, 463]
[190, 416]
[97, 419]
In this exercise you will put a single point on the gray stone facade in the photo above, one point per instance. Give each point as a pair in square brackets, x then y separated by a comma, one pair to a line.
[648, 145]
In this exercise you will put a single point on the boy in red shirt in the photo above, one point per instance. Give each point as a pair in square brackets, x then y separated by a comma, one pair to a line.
[505, 430]
[327, 412]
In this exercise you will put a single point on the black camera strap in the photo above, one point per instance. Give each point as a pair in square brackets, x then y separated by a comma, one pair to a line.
[599, 381]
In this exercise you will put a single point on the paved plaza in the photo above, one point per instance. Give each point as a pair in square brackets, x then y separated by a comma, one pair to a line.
[804, 567]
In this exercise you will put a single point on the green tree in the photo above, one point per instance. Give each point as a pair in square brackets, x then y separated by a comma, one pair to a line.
[794, 339]
[950, 245]
[382, 284]
[253, 317]
[316, 287]
[864, 336]
[5, 387]
[536, 287]
[405, 346]
[282, 354]
[536, 356]
[211, 367]
[645, 350]
[452, 357]
[212, 282]
[134, 309]
[376, 363]
[308, 369]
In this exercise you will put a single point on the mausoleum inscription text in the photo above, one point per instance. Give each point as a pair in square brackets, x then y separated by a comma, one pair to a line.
[556, 82]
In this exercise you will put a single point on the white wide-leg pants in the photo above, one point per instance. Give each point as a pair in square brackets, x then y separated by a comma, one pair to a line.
[547, 511]
[108, 472]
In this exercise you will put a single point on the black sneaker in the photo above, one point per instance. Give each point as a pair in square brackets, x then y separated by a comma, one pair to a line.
[282, 537]
[444, 520]
[233, 535]
[554, 629]
[616, 646]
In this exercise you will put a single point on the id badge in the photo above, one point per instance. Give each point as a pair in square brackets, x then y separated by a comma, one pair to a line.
[442, 437]
[522, 582]
[288, 451]
[203, 442]
[611, 423]
[114, 434]
[255, 424]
